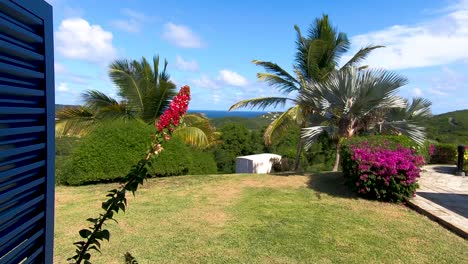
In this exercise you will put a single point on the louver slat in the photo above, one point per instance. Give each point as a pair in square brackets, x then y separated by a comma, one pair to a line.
[26, 132]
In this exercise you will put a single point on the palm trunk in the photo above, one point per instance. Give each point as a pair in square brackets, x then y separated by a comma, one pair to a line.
[297, 161]
[337, 159]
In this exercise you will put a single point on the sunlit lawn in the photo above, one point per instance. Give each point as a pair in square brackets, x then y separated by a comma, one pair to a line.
[255, 219]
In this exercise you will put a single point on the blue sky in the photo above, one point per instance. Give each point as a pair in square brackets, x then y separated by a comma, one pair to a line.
[210, 44]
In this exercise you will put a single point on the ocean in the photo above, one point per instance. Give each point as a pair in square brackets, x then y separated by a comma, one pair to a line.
[220, 113]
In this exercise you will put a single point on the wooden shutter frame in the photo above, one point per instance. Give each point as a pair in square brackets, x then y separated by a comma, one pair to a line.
[43, 10]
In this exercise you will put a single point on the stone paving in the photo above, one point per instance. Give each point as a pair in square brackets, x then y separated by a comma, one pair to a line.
[443, 196]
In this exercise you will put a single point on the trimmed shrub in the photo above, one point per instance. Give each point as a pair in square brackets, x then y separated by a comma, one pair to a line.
[180, 159]
[444, 154]
[110, 150]
[202, 163]
[63, 149]
[107, 153]
[386, 171]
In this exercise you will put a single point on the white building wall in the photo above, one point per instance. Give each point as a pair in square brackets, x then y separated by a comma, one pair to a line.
[259, 163]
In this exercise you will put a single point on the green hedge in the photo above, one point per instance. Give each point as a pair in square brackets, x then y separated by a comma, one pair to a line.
[444, 154]
[180, 159]
[108, 153]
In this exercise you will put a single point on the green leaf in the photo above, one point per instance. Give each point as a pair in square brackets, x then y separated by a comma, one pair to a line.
[85, 233]
[86, 256]
[105, 234]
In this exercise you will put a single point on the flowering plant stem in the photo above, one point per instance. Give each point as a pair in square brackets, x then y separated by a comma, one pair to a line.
[138, 173]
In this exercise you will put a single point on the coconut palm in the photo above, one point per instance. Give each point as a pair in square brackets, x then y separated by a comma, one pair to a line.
[317, 55]
[351, 101]
[146, 91]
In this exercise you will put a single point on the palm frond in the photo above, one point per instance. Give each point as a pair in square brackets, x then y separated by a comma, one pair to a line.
[361, 55]
[293, 115]
[192, 135]
[122, 74]
[408, 128]
[74, 121]
[261, 103]
[310, 134]
[277, 76]
[95, 99]
[283, 85]
[419, 107]
[193, 118]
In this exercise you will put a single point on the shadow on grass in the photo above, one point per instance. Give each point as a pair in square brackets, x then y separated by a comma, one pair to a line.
[331, 183]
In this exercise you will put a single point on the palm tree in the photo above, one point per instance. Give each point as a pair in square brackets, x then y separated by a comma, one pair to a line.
[351, 101]
[146, 91]
[317, 55]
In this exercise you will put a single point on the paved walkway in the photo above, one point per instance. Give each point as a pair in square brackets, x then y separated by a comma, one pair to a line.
[443, 197]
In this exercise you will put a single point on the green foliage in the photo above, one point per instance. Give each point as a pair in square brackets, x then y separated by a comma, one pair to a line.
[444, 154]
[283, 164]
[236, 141]
[107, 153]
[174, 160]
[451, 127]
[110, 150]
[180, 159]
[202, 162]
[254, 123]
[65, 145]
[390, 141]
[63, 149]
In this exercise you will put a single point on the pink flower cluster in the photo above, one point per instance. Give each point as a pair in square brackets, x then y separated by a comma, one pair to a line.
[178, 107]
[432, 149]
[377, 168]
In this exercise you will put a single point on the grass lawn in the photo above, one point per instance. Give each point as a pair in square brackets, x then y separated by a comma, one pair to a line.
[254, 219]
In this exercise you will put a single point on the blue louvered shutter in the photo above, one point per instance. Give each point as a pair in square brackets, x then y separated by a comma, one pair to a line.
[26, 132]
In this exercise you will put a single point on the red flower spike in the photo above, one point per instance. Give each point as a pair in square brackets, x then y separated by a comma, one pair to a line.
[177, 108]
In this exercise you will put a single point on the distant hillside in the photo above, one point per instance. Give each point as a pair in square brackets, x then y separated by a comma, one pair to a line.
[451, 127]
[254, 123]
[61, 106]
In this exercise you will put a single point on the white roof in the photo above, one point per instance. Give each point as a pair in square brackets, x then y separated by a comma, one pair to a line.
[260, 156]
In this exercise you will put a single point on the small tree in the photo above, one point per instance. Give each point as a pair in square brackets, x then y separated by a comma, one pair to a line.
[352, 101]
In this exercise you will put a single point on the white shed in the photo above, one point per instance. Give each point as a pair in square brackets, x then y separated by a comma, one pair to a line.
[259, 163]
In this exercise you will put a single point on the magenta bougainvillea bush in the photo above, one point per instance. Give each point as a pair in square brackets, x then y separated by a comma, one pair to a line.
[382, 173]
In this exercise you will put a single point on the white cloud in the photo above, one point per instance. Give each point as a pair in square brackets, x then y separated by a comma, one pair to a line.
[438, 92]
[417, 92]
[216, 98]
[131, 25]
[63, 87]
[437, 42]
[225, 77]
[133, 22]
[206, 82]
[181, 36]
[232, 78]
[184, 65]
[59, 68]
[77, 39]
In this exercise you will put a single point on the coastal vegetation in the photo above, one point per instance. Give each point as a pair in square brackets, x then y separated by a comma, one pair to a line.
[344, 117]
